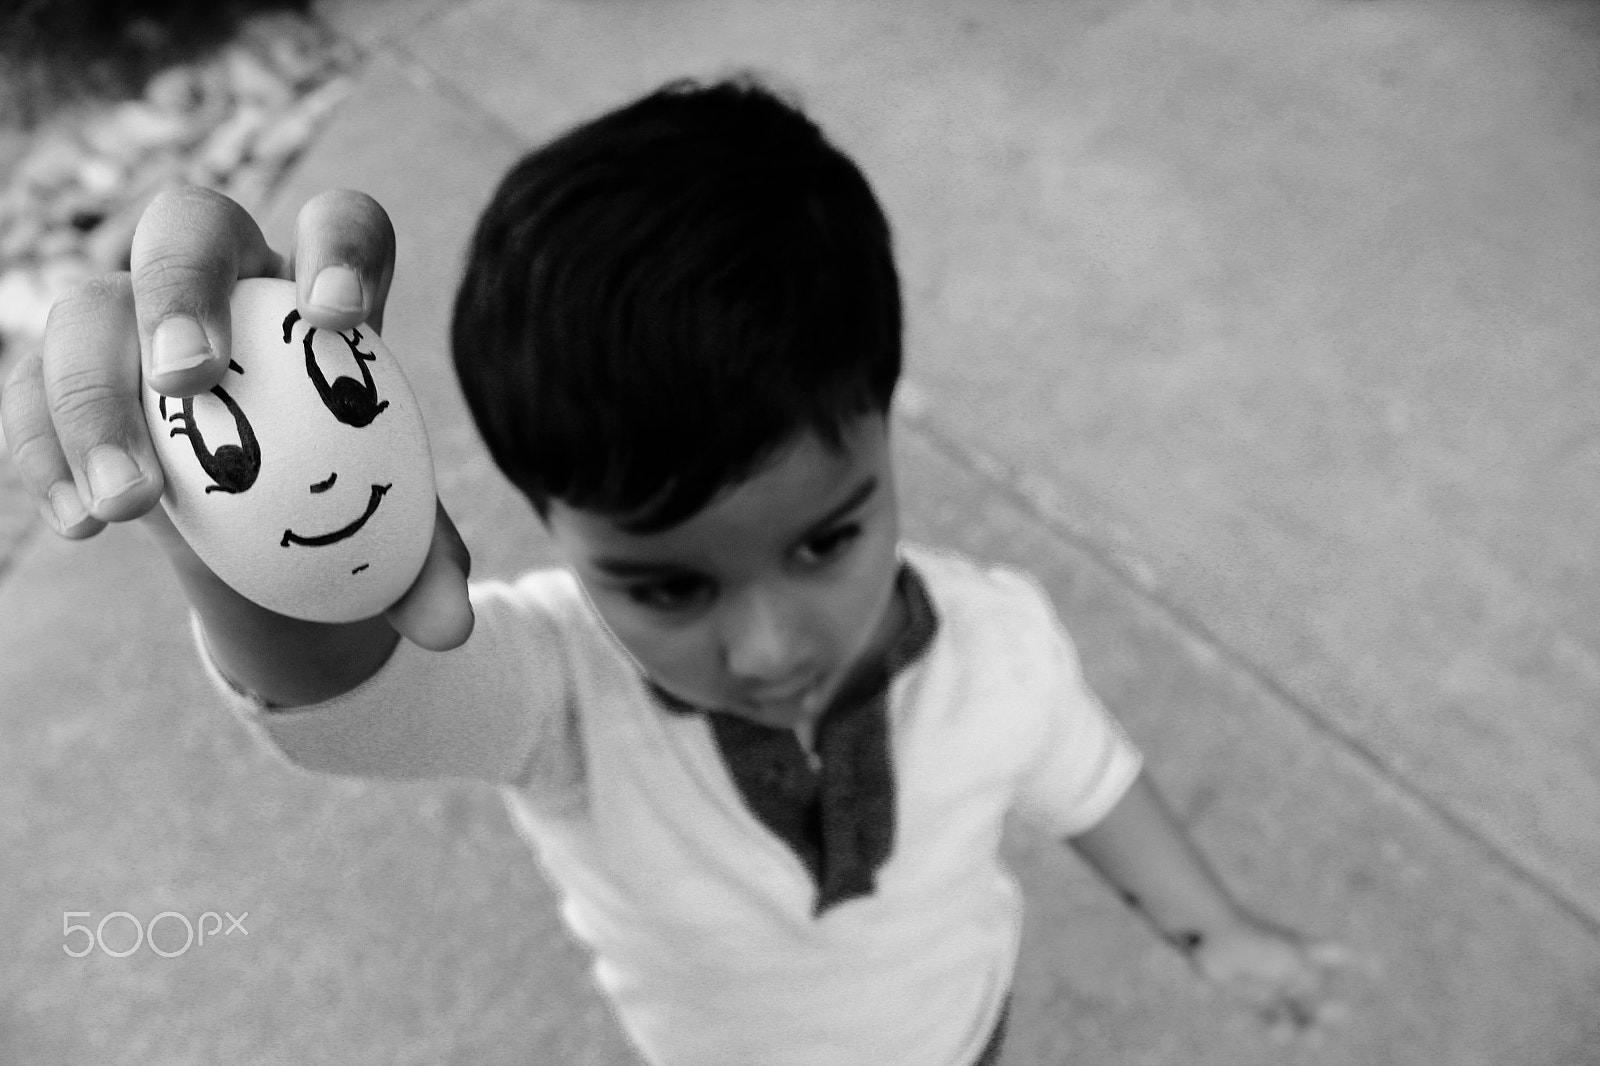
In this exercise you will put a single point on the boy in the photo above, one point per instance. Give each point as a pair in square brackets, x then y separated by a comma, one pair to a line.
[763, 748]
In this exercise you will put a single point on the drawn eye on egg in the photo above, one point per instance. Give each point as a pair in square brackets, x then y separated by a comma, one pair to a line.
[355, 403]
[232, 468]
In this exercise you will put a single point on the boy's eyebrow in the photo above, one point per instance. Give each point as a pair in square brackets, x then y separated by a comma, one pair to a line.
[629, 568]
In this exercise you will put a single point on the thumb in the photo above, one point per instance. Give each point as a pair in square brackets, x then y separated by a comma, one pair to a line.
[435, 612]
[343, 260]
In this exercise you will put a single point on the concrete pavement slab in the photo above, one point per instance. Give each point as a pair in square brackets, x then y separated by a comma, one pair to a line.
[1286, 308]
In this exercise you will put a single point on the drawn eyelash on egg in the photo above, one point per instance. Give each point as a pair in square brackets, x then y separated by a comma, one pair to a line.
[232, 468]
[355, 403]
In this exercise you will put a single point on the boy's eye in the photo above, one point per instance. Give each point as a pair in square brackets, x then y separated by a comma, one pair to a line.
[829, 543]
[671, 594]
[678, 592]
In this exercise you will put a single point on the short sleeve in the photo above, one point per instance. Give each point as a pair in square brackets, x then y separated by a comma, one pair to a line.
[497, 709]
[1086, 761]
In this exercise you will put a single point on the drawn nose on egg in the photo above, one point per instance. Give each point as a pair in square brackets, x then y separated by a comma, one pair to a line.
[304, 478]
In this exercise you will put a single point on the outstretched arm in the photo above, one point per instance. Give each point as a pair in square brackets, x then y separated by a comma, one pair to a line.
[1141, 850]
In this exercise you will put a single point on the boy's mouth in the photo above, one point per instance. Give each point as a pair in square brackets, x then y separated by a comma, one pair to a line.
[790, 694]
[795, 703]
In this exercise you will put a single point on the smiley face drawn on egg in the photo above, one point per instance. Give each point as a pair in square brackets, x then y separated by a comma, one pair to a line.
[303, 479]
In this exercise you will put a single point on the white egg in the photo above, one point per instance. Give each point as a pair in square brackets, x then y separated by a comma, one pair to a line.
[304, 479]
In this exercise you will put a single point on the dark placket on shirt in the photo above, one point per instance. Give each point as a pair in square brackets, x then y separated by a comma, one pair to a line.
[838, 818]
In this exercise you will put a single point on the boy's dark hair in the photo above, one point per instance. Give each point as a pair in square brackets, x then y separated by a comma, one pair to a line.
[659, 300]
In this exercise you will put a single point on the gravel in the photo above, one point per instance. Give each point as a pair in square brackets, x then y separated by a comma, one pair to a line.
[72, 190]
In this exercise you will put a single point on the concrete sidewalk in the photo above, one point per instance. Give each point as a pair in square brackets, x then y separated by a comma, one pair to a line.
[1262, 333]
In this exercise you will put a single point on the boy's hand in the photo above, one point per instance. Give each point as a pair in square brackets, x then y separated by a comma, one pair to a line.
[1274, 970]
[72, 410]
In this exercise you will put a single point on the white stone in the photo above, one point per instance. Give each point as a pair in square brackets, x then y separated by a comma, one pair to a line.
[108, 244]
[284, 137]
[327, 96]
[9, 215]
[51, 165]
[60, 274]
[20, 237]
[60, 210]
[229, 143]
[100, 176]
[250, 184]
[151, 176]
[176, 90]
[69, 201]
[216, 93]
[253, 80]
[58, 242]
[24, 304]
[231, 121]
[15, 200]
[130, 129]
[280, 141]
[297, 59]
[264, 27]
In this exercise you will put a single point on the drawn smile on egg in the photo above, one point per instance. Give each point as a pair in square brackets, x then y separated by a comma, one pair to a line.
[343, 533]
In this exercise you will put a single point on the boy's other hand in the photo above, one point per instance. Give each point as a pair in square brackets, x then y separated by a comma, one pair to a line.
[1282, 976]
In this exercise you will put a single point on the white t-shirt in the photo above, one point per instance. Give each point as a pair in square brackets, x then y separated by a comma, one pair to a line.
[700, 919]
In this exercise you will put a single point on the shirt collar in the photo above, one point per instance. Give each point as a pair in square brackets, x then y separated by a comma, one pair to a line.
[922, 625]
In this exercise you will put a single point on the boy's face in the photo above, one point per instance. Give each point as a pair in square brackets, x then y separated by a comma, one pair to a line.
[771, 597]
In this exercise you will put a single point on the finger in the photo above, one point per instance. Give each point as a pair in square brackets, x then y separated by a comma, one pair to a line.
[435, 613]
[37, 454]
[90, 375]
[343, 260]
[190, 246]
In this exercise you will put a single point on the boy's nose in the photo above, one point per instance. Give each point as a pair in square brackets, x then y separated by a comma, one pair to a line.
[764, 649]
[324, 486]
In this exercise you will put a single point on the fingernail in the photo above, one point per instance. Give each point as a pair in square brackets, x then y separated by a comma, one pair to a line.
[65, 505]
[111, 473]
[179, 344]
[336, 289]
